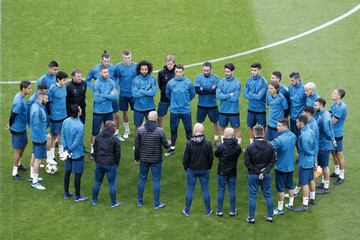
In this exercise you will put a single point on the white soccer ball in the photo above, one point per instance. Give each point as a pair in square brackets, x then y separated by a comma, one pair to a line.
[51, 168]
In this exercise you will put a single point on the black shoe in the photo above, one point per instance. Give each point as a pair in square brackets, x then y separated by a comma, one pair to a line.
[22, 167]
[334, 175]
[323, 191]
[339, 181]
[250, 221]
[320, 186]
[91, 156]
[269, 219]
[17, 177]
[170, 152]
[302, 208]
[312, 202]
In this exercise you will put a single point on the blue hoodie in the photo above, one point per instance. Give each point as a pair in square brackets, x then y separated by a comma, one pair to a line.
[306, 148]
[48, 79]
[72, 136]
[143, 90]
[124, 77]
[314, 126]
[326, 131]
[284, 145]
[297, 100]
[310, 100]
[207, 95]
[277, 108]
[102, 95]
[19, 107]
[57, 102]
[229, 104]
[180, 91]
[94, 73]
[338, 111]
[255, 92]
[38, 122]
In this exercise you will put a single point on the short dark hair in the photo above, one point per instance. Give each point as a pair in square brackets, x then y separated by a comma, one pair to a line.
[42, 89]
[284, 122]
[24, 84]
[309, 109]
[258, 130]
[61, 75]
[105, 54]
[256, 65]
[207, 64]
[75, 71]
[126, 53]
[53, 63]
[276, 85]
[295, 75]
[277, 74]
[321, 101]
[341, 92]
[74, 110]
[303, 118]
[102, 67]
[179, 66]
[230, 66]
[144, 63]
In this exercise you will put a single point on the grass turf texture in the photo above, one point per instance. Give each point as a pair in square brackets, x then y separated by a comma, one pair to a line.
[75, 33]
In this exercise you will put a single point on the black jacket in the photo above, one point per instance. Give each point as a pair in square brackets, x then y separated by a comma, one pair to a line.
[258, 155]
[163, 77]
[228, 154]
[149, 140]
[107, 150]
[76, 93]
[198, 154]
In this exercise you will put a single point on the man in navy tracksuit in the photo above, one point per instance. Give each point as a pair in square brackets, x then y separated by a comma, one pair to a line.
[276, 76]
[72, 134]
[105, 92]
[205, 86]
[180, 91]
[164, 76]
[255, 92]
[228, 92]
[143, 91]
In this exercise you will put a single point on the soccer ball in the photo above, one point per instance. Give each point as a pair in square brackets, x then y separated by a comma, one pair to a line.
[51, 168]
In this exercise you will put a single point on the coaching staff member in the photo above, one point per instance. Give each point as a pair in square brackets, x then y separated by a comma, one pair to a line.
[76, 93]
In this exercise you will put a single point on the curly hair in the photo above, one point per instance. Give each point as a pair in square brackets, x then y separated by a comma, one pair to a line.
[144, 63]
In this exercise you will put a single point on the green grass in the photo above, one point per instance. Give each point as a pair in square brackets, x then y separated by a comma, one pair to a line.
[76, 32]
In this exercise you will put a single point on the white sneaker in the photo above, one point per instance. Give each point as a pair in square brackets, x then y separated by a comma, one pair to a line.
[42, 165]
[120, 138]
[51, 161]
[126, 135]
[38, 186]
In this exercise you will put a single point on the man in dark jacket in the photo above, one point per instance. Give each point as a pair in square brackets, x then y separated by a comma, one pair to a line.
[259, 159]
[149, 140]
[197, 161]
[76, 93]
[107, 153]
[228, 154]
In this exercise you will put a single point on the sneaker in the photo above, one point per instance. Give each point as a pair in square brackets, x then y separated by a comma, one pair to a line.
[42, 165]
[334, 175]
[139, 203]
[80, 199]
[302, 208]
[38, 186]
[67, 195]
[250, 220]
[320, 186]
[39, 179]
[22, 167]
[290, 207]
[233, 214]
[323, 191]
[160, 205]
[312, 201]
[93, 202]
[116, 204]
[51, 161]
[186, 212]
[296, 195]
[339, 181]
[126, 135]
[219, 214]
[269, 219]
[18, 178]
[209, 213]
[278, 212]
[170, 152]
[119, 137]
[91, 156]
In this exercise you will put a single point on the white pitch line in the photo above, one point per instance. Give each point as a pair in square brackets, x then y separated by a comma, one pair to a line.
[325, 25]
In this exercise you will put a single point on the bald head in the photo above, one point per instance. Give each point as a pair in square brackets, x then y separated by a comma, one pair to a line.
[229, 132]
[153, 116]
[109, 124]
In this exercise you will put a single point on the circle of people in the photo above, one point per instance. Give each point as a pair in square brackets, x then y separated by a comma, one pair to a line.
[60, 105]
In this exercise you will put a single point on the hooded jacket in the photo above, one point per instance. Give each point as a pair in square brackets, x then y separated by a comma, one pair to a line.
[72, 136]
[143, 90]
[204, 87]
[228, 154]
[255, 92]
[102, 95]
[198, 154]
[229, 104]
[107, 150]
[297, 100]
[180, 91]
[258, 155]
